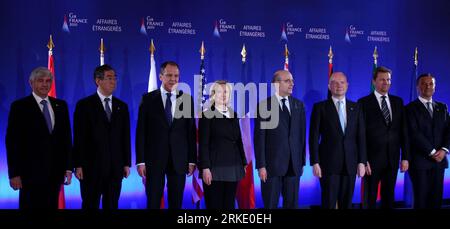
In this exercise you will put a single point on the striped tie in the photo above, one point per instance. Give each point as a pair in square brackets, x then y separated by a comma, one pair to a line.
[385, 110]
[430, 111]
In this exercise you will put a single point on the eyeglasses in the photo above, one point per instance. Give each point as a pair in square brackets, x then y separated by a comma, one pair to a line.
[287, 81]
[110, 78]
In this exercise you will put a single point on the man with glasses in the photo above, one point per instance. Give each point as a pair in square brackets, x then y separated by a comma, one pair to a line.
[280, 149]
[102, 150]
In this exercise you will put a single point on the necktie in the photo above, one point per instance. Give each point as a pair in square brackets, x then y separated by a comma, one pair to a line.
[285, 115]
[341, 115]
[430, 111]
[107, 109]
[284, 107]
[46, 114]
[168, 108]
[385, 110]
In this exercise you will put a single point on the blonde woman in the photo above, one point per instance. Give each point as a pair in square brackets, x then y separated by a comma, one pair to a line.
[222, 157]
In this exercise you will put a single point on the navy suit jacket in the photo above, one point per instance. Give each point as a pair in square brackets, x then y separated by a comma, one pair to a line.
[220, 141]
[101, 148]
[427, 133]
[329, 146]
[274, 147]
[155, 139]
[36, 155]
[385, 141]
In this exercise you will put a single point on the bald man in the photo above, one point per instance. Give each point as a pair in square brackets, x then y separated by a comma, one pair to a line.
[337, 145]
[280, 148]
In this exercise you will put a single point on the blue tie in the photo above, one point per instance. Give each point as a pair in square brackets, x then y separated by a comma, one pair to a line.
[341, 115]
[46, 114]
[430, 111]
[168, 108]
[107, 109]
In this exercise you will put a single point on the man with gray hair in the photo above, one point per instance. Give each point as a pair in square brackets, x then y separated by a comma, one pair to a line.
[38, 144]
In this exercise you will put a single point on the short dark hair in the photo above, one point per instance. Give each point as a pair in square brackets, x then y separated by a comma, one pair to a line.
[423, 75]
[99, 71]
[381, 69]
[164, 65]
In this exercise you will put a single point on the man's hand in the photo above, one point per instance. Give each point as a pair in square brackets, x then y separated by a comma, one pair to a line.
[439, 155]
[191, 169]
[141, 171]
[126, 171]
[68, 177]
[79, 173]
[262, 173]
[361, 169]
[404, 166]
[368, 169]
[207, 176]
[15, 183]
[317, 171]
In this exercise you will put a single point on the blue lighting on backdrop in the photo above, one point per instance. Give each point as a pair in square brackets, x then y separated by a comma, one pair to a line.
[353, 28]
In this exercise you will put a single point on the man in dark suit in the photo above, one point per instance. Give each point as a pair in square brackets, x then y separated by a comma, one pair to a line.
[39, 144]
[429, 131]
[337, 144]
[279, 139]
[102, 150]
[386, 133]
[165, 139]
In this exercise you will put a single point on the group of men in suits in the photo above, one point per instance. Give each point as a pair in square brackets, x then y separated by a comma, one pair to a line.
[371, 138]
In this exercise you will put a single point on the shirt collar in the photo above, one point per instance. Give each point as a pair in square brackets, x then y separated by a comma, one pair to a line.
[39, 99]
[164, 91]
[102, 97]
[378, 95]
[279, 97]
[424, 101]
[335, 100]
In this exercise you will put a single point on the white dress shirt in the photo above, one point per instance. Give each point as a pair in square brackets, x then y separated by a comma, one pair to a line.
[279, 98]
[379, 99]
[49, 106]
[102, 98]
[344, 111]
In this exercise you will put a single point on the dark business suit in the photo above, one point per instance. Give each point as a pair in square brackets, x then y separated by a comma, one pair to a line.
[383, 144]
[39, 157]
[281, 150]
[166, 149]
[221, 150]
[337, 153]
[102, 149]
[427, 133]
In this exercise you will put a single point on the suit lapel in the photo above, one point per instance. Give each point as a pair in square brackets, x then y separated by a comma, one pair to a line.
[278, 107]
[115, 109]
[374, 103]
[56, 111]
[436, 114]
[37, 109]
[160, 107]
[350, 108]
[178, 107]
[294, 109]
[422, 109]
[99, 106]
[394, 109]
[334, 117]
